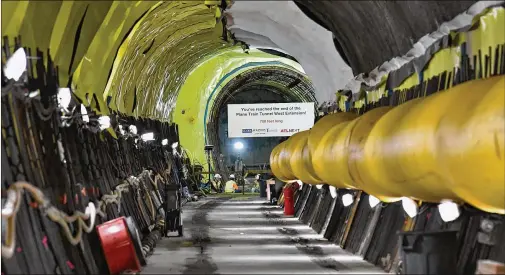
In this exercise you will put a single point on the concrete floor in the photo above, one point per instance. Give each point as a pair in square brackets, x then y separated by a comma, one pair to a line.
[232, 235]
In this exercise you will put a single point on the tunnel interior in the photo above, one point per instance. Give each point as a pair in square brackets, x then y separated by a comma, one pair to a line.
[108, 108]
[264, 85]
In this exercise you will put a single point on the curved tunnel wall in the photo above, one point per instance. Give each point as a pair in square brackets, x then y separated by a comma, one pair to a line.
[157, 60]
[283, 25]
[134, 56]
[380, 30]
[371, 98]
[88, 39]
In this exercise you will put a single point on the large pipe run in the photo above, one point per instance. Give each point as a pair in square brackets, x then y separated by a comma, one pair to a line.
[449, 145]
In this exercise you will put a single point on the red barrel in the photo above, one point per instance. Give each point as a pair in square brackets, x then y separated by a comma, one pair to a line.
[118, 246]
[289, 199]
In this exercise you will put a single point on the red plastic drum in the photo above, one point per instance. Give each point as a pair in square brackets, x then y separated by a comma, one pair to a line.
[118, 246]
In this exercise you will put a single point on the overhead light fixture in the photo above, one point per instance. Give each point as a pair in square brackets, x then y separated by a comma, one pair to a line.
[132, 129]
[121, 130]
[238, 145]
[164, 142]
[319, 186]
[84, 113]
[409, 206]
[64, 97]
[104, 122]
[16, 65]
[147, 136]
[448, 210]
[175, 144]
[34, 94]
[333, 191]
[373, 201]
[347, 199]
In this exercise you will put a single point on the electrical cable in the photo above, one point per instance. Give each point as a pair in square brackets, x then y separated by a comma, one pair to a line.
[11, 209]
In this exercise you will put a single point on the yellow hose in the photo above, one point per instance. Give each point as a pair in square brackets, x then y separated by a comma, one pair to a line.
[321, 137]
[326, 161]
[357, 136]
[324, 124]
[274, 163]
[283, 161]
[449, 145]
[301, 161]
[471, 144]
[405, 140]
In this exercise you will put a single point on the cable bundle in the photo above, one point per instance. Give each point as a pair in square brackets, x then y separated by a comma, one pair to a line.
[79, 175]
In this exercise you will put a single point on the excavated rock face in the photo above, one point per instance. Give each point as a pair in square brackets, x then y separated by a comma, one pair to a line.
[368, 33]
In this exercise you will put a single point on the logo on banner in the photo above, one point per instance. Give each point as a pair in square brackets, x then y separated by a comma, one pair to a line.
[246, 131]
[290, 130]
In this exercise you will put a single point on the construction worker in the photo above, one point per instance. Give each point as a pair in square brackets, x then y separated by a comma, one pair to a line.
[231, 186]
[256, 186]
[217, 183]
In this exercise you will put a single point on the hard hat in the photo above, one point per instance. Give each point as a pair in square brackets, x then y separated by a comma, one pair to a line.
[232, 176]
[217, 176]
[258, 176]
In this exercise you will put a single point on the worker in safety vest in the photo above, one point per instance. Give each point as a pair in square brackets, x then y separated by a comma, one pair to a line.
[231, 186]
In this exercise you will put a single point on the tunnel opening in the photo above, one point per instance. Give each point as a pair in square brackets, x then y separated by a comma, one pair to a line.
[256, 151]
[262, 85]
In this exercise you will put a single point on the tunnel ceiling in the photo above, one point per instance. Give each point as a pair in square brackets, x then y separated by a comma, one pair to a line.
[137, 56]
[167, 44]
[331, 37]
[281, 24]
[134, 56]
[293, 86]
[372, 32]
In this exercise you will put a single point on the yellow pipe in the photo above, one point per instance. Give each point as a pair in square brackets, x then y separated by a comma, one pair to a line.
[328, 162]
[321, 138]
[369, 167]
[351, 145]
[471, 144]
[276, 163]
[324, 124]
[402, 153]
[449, 145]
[301, 161]
[284, 161]
[274, 156]
[408, 147]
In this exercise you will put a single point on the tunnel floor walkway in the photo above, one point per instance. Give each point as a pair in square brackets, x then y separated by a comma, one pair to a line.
[247, 236]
